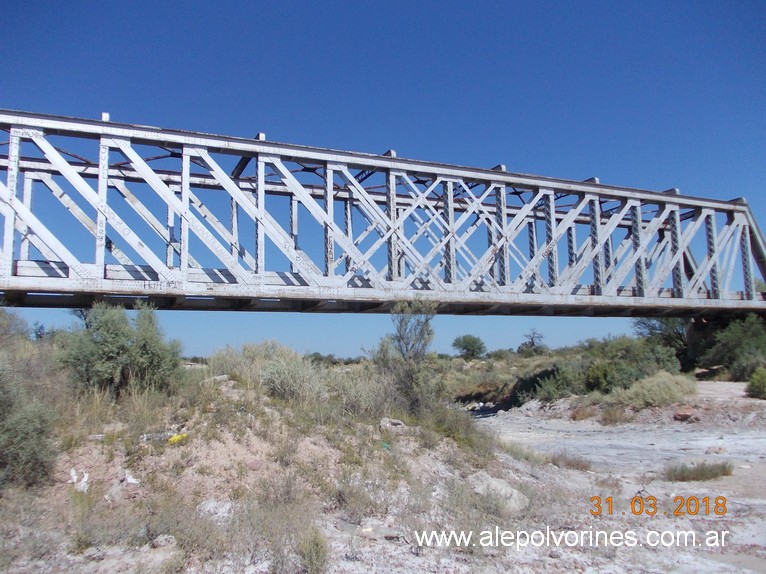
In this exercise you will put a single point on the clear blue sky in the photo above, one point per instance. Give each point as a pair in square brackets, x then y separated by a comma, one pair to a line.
[643, 94]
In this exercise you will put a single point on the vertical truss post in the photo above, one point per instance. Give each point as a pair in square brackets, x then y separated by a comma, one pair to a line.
[491, 245]
[675, 242]
[234, 228]
[449, 217]
[550, 230]
[294, 228]
[532, 233]
[747, 269]
[394, 269]
[260, 207]
[608, 251]
[571, 246]
[640, 265]
[503, 277]
[185, 193]
[595, 239]
[712, 252]
[172, 236]
[349, 228]
[532, 239]
[329, 206]
[171, 224]
[103, 186]
[27, 201]
[401, 262]
[608, 259]
[6, 268]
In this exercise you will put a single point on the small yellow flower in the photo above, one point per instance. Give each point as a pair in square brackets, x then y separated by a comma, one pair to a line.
[178, 438]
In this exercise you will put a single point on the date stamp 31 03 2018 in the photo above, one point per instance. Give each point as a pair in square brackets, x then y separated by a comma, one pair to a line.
[649, 506]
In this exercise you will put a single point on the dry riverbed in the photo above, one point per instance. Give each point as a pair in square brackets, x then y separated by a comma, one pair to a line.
[628, 460]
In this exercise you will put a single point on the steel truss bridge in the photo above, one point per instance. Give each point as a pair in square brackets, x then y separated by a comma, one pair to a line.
[96, 210]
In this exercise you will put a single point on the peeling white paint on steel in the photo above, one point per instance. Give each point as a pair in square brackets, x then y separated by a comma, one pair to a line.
[473, 240]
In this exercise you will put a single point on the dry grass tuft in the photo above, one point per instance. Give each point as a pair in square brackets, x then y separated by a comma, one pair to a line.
[584, 412]
[277, 519]
[520, 452]
[701, 471]
[614, 415]
[566, 460]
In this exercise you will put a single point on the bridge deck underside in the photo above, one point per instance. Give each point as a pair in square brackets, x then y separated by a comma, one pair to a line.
[102, 211]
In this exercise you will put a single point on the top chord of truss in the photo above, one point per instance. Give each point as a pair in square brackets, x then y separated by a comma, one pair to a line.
[100, 210]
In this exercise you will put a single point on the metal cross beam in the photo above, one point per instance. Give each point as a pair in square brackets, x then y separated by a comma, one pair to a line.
[96, 210]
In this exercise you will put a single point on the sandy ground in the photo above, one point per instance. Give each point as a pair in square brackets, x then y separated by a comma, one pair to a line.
[731, 428]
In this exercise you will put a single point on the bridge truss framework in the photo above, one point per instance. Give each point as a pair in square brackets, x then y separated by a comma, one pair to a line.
[101, 210]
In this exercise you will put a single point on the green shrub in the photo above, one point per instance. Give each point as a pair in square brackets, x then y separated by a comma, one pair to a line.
[673, 333]
[460, 427]
[562, 380]
[740, 347]
[527, 386]
[413, 332]
[527, 350]
[743, 367]
[99, 355]
[26, 454]
[594, 366]
[249, 365]
[617, 363]
[402, 355]
[478, 445]
[228, 361]
[153, 362]
[532, 345]
[418, 383]
[469, 346]
[603, 375]
[12, 328]
[324, 360]
[364, 393]
[296, 379]
[654, 391]
[551, 389]
[756, 388]
[637, 353]
[501, 355]
[111, 353]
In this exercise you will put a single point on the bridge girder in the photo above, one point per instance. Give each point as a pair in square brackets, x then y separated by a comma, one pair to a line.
[95, 210]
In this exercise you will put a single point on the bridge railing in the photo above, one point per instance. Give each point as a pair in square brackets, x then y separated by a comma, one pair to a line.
[95, 209]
